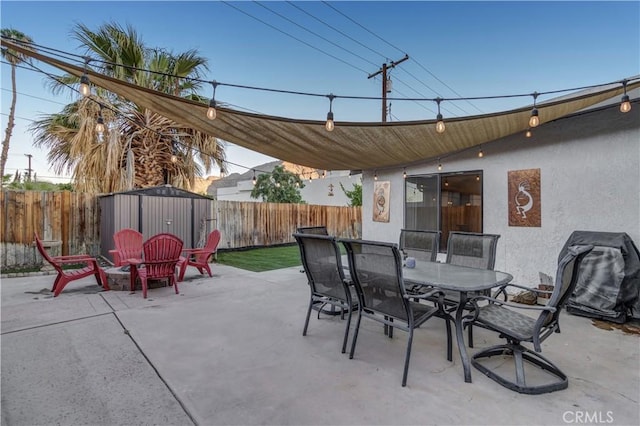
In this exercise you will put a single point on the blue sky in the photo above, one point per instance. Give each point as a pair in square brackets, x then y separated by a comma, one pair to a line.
[456, 49]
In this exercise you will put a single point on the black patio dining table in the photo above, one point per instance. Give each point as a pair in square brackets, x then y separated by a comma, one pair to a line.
[459, 279]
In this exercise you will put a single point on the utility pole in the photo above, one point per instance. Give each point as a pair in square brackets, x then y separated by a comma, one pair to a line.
[29, 170]
[383, 71]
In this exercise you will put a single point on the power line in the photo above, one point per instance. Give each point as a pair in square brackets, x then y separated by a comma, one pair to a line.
[314, 33]
[294, 37]
[400, 50]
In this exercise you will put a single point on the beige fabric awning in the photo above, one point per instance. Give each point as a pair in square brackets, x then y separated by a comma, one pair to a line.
[351, 145]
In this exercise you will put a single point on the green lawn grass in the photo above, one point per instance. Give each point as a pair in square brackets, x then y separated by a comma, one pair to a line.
[261, 259]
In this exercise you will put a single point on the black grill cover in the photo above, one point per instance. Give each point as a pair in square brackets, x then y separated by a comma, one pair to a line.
[609, 282]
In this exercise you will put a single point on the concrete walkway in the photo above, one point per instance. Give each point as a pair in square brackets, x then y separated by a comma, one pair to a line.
[229, 351]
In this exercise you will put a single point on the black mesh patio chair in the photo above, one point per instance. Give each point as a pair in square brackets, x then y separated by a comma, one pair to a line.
[517, 327]
[322, 263]
[421, 245]
[317, 230]
[472, 249]
[376, 271]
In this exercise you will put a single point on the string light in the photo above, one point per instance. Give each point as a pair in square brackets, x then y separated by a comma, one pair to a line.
[85, 88]
[480, 153]
[625, 104]
[528, 133]
[329, 125]
[375, 175]
[211, 112]
[404, 173]
[534, 120]
[440, 127]
[254, 181]
[100, 122]
[324, 174]
[439, 165]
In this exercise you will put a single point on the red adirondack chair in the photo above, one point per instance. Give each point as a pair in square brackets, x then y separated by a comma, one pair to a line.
[161, 255]
[199, 257]
[65, 276]
[128, 246]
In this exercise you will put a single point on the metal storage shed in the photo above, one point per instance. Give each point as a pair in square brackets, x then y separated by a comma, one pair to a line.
[154, 210]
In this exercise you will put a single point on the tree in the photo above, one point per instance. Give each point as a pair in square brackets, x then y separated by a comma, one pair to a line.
[139, 148]
[14, 58]
[355, 195]
[279, 186]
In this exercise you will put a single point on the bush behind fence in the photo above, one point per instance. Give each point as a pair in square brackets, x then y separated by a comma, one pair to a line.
[70, 222]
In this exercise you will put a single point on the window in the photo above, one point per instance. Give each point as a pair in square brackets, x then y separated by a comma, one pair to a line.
[444, 202]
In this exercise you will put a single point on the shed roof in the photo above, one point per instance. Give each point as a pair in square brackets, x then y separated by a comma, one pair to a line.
[160, 191]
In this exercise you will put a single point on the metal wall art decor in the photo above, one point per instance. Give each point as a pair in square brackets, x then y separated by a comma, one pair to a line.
[381, 201]
[524, 198]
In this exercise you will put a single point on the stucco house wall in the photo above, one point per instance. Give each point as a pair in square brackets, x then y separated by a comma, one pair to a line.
[590, 180]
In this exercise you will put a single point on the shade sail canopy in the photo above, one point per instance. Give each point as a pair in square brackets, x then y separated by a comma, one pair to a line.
[351, 145]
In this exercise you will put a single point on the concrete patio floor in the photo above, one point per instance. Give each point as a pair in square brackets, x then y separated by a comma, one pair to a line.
[229, 350]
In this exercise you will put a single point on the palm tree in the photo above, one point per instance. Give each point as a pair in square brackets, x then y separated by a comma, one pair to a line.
[14, 58]
[139, 147]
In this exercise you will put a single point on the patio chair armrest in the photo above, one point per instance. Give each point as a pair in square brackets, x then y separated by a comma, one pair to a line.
[73, 259]
[430, 294]
[474, 300]
[194, 250]
[535, 290]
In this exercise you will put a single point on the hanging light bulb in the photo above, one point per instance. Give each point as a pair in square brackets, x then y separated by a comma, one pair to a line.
[329, 125]
[439, 165]
[625, 104]
[534, 120]
[528, 133]
[85, 88]
[375, 175]
[440, 127]
[324, 174]
[297, 184]
[478, 178]
[277, 184]
[211, 112]
[100, 122]
[404, 173]
[253, 181]
[446, 182]
[480, 153]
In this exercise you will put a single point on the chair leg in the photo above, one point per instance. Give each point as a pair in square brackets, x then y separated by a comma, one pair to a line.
[346, 331]
[390, 329]
[143, 283]
[55, 282]
[449, 343]
[172, 281]
[521, 354]
[306, 322]
[208, 269]
[183, 269]
[406, 359]
[355, 335]
[470, 333]
[59, 285]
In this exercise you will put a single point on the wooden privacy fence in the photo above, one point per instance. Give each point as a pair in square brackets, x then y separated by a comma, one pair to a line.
[70, 223]
[248, 224]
